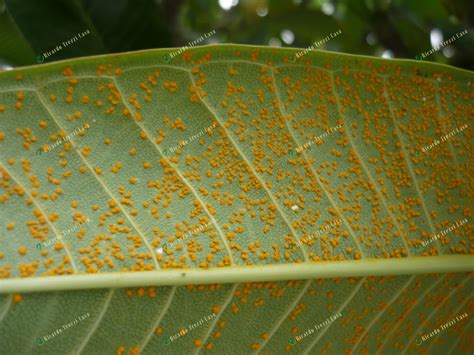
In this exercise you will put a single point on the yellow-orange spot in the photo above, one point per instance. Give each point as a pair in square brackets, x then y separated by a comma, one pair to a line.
[17, 298]
[68, 71]
[20, 95]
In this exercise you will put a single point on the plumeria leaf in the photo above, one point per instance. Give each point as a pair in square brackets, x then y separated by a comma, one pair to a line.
[236, 199]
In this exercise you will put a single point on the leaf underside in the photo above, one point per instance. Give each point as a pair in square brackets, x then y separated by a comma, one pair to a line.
[143, 161]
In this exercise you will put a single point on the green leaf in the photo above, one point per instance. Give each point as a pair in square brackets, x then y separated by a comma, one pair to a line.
[14, 49]
[253, 202]
[40, 20]
[65, 29]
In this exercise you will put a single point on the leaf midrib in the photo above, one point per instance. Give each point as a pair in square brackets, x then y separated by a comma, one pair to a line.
[255, 273]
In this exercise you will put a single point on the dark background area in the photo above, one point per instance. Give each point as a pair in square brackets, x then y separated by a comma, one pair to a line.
[381, 28]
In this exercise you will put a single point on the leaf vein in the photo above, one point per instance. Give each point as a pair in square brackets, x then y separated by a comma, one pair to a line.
[270, 195]
[340, 309]
[58, 235]
[393, 299]
[144, 344]
[97, 321]
[399, 322]
[450, 294]
[410, 168]
[468, 299]
[382, 198]
[106, 189]
[213, 324]
[316, 175]
[285, 315]
[224, 240]
[6, 308]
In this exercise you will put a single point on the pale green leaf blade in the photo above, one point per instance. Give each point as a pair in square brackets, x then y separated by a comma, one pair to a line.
[231, 166]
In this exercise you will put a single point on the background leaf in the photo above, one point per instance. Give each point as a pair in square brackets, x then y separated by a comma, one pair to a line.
[14, 49]
[44, 36]
[114, 26]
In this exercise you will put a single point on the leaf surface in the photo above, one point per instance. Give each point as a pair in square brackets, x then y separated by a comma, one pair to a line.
[229, 156]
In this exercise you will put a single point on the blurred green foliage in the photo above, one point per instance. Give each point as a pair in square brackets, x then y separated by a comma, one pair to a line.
[392, 28]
